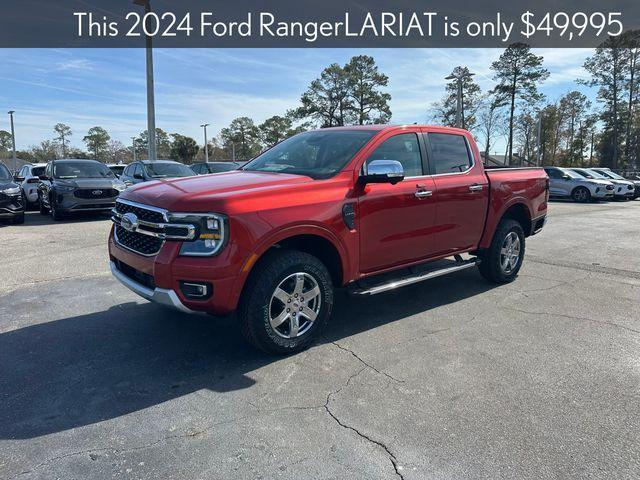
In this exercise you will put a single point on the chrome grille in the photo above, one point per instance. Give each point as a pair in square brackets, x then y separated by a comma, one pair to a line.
[143, 229]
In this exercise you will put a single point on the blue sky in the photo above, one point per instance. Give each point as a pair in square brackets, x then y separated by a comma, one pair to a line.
[88, 87]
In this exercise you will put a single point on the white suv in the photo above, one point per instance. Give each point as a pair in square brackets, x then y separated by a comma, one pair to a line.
[28, 177]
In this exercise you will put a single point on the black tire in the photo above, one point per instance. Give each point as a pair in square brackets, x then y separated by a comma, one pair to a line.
[43, 209]
[257, 302]
[18, 219]
[581, 195]
[491, 265]
[56, 214]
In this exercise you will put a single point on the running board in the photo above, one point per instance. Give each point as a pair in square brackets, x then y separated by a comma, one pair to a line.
[409, 280]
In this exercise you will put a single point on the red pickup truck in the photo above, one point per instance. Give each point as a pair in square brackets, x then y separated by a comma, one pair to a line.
[368, 208]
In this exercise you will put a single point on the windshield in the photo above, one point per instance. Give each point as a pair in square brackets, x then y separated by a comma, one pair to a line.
[319, 155]
[597, 174]
[610, 174]
[37, 171]
[164, 170]
[87, 169]
[571, 173]
[584, 173]
[5, 174]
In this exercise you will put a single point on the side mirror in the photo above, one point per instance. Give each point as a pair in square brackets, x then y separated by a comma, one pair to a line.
[383, 171]
[566, 177]
[18, 178]
[138, 176]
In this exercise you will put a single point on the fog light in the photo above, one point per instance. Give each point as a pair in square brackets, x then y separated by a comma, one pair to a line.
[196, 290]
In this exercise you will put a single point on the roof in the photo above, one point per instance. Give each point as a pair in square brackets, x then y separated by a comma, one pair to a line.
[75, 160]
[380, 127]
[158, 161]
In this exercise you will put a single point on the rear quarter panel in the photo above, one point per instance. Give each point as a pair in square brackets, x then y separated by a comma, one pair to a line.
[510, 186]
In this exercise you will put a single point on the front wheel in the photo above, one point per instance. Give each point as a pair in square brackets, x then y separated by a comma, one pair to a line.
[56, 213]
[581, 195]
[501, 262]
[43, 209]
[287, 300]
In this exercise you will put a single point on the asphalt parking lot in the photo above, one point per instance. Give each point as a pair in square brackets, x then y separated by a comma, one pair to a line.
[452, 378]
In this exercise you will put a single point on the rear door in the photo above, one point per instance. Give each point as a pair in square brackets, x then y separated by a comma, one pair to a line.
[558, 185]
[462, 192]
[396, 221]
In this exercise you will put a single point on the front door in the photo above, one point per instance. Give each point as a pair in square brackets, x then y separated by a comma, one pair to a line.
[396, 221]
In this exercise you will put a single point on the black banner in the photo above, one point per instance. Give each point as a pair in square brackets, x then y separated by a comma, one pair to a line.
[345, 23]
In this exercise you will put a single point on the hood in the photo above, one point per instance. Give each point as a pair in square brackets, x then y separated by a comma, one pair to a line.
[88, 182]
[621, 182]
[598, 181]
[5, 184]
[204, 193]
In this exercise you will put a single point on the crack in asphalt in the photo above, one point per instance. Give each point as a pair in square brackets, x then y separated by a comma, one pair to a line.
[394, 461]
[572, 317]
[368, 365]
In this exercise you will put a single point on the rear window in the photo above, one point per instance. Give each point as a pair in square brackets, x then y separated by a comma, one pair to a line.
[37, 171]
[449, 153]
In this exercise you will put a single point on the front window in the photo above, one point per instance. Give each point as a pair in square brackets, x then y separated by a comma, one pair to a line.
[168, 170]
[37, 171]
[319, 155]
[89, 169]
[5, 174]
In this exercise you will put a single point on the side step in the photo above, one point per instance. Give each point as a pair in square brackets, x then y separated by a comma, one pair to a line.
[415, 278]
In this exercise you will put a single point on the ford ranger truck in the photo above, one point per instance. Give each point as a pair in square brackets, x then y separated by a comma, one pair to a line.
[368, 209]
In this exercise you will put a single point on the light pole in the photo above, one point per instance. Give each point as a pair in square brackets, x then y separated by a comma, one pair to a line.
[133, 147]
[206, 146]
[151, 111]
[13, 141]
[459, 77]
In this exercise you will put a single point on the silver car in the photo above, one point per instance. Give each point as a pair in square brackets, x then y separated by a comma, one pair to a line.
[614, 176]
[564, 182]
[624, 189]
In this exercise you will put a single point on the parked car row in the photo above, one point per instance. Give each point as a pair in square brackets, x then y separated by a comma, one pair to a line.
[63, 187]
[590, 184]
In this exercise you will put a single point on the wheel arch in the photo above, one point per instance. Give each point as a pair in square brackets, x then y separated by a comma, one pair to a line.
[311, 239]
[517, 209]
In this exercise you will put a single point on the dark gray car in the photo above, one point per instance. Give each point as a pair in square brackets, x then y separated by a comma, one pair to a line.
[144, 170]
[71, 186]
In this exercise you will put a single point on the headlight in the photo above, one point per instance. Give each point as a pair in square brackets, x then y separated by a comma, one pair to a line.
[11, 191]
[212, 236]
[121, 187]
[65, 188]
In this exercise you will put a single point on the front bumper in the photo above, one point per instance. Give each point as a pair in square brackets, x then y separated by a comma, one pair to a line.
[69, 202]
[11, 205]
[166, 270]
[163, 296]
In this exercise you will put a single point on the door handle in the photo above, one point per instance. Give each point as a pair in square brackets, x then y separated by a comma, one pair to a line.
[475, 188]
[423, 193]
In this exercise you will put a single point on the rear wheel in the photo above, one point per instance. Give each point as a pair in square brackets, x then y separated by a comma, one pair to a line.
[581, 195]
[286, 302]
[501, 262]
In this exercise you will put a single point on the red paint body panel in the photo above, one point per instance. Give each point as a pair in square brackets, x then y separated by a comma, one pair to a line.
[393, 228]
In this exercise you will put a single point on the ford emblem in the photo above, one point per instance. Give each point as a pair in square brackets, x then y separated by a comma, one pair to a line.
[129, 222]
[96, 192]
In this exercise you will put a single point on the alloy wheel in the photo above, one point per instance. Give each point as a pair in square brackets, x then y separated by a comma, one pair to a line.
[510, 253]
[295, 305]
